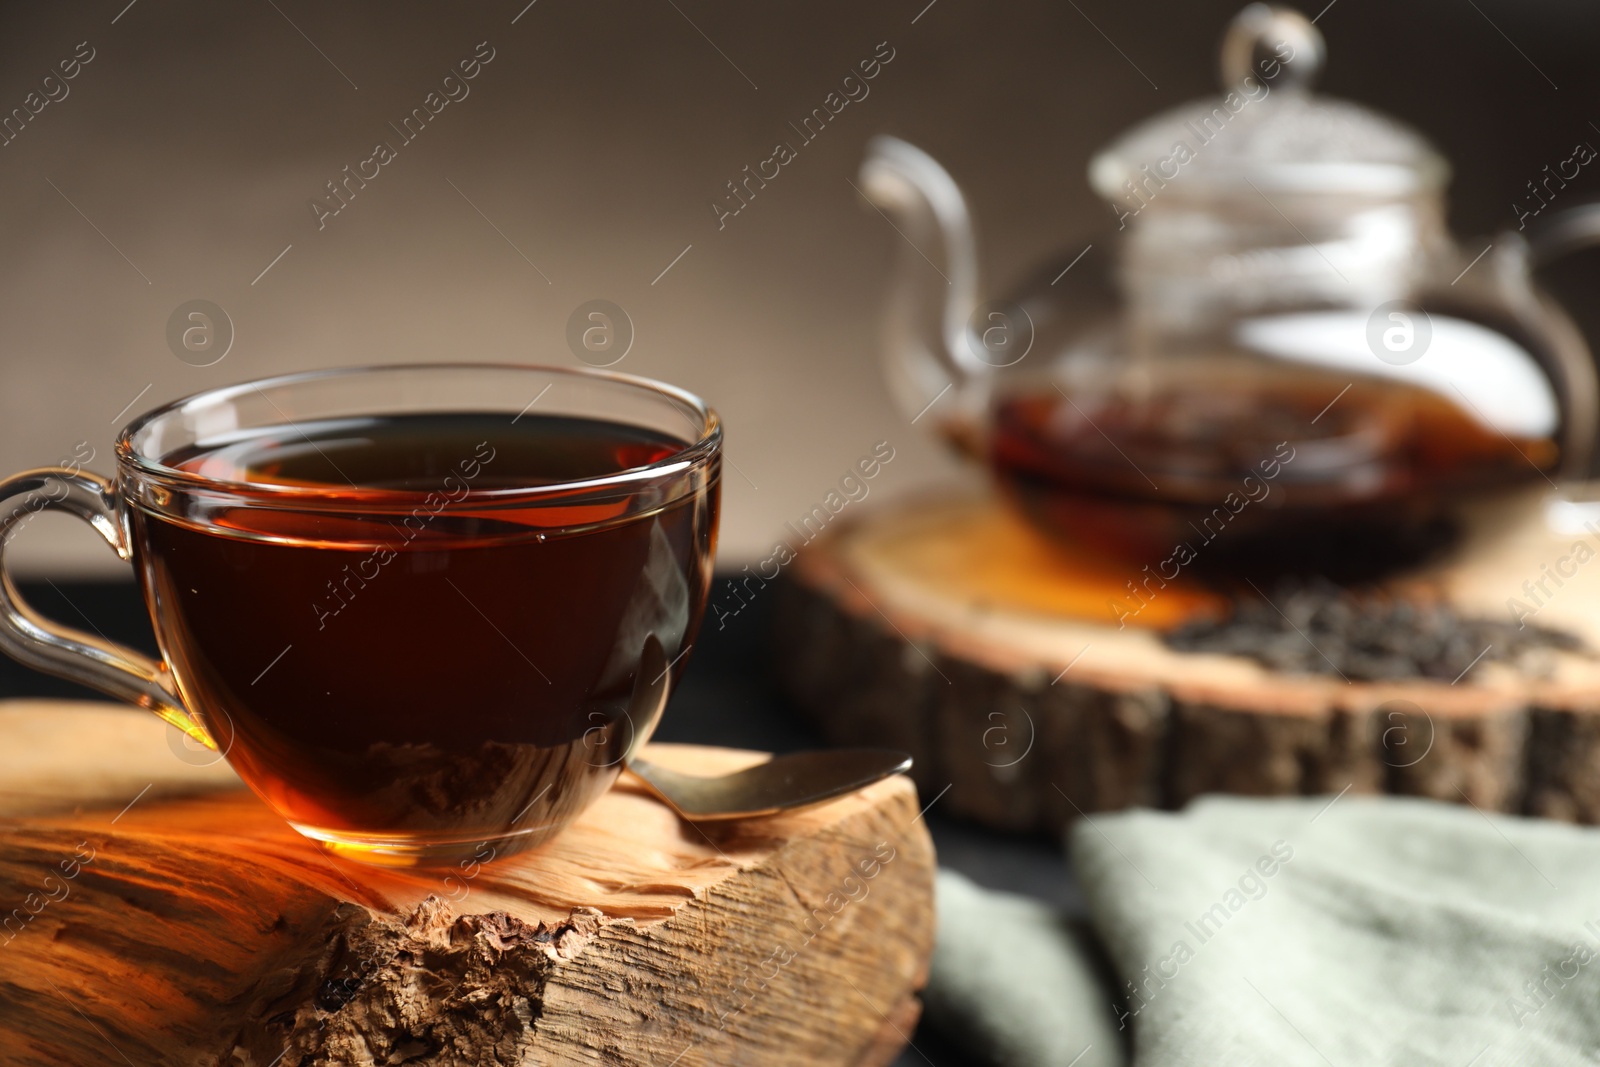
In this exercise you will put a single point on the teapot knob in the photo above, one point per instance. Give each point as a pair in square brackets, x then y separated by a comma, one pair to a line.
[1276, 42]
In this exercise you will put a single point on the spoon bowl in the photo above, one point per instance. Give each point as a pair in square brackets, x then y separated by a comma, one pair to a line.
[784, 783]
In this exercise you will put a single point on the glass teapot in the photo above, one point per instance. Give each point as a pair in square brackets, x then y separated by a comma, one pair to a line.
[1303, 362]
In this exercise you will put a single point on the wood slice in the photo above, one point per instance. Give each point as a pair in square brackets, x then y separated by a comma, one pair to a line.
[157, 913]
[945, 627]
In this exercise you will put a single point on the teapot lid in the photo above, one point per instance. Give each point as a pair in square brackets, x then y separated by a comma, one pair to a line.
[1268, 131]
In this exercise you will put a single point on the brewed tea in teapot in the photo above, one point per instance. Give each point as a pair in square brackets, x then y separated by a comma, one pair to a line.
[1303, 361]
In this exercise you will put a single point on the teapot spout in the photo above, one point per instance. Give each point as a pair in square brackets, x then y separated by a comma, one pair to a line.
[934, 284]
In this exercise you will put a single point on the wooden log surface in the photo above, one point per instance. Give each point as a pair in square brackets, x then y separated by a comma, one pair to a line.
[943, 626]
[157, 913]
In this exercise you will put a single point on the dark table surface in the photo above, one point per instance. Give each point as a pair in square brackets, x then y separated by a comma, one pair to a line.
[727, 697]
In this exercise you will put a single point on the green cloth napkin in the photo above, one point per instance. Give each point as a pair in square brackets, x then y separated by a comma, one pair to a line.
[1347, 932]
[1016, 984]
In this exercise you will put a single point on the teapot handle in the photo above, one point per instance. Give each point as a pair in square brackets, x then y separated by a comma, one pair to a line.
[1560, 234]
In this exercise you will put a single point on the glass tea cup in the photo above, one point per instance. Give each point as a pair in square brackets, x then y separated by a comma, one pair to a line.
[409, 604]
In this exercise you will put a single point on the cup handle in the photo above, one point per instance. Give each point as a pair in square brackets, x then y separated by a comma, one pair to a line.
[29, 638]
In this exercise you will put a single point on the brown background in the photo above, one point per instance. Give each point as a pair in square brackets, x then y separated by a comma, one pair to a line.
[595, 141]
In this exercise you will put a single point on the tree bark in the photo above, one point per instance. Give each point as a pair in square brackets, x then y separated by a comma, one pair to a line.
[943, 627]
